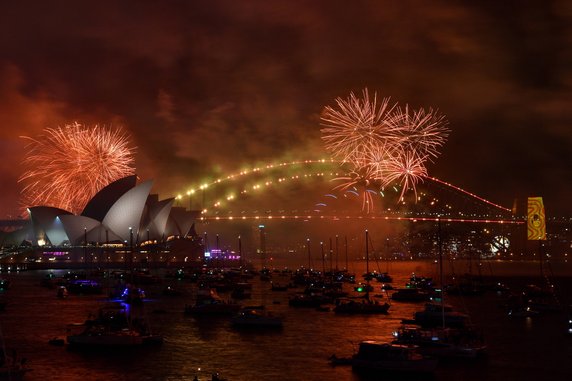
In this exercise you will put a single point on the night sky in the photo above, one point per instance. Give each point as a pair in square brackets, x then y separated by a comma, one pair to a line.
[206, 87]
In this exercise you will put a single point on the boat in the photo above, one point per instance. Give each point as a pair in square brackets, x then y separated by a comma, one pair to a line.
[380, 277]
[256, 317]
[438, 314]
[133, 295]
[335, 360]
[410, 295]
[112, 327]
[208, 302]
[364, 304]
[278, 286]
[383, 357]
[443, 342]
[417, 281]
[62, 292]
[84, 287]
[310, 300]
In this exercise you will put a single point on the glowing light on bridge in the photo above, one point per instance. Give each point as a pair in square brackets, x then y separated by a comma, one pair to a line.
[351, 183]
[368, 217]
[469, 193]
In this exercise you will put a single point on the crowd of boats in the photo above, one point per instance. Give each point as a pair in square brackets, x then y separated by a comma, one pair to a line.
[435, 332]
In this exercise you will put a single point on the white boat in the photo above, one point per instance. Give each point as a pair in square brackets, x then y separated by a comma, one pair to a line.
[382, 357]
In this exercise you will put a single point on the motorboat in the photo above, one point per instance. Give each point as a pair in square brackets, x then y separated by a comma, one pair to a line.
[363, 305]
[208, 302]
[443, 342]
[416, 281]
[311, 300]
[112, 327]
[410, 295]
[84, 287]
[383, 357]
[439, 314]
[256, 317]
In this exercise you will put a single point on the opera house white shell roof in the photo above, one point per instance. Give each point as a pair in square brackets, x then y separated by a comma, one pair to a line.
[122, 211]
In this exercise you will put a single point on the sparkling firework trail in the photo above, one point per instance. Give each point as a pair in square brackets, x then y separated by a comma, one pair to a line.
[69, 165]
[361, 180]
[407, 168]
[386, 143]
[356, 126]
[423, 131]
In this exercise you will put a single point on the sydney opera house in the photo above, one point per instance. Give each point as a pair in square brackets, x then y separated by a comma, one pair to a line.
[123, 214]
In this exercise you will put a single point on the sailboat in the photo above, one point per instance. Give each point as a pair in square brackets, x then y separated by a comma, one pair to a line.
[257, 316]
[443, 332]
[367, 304]
[114, 326]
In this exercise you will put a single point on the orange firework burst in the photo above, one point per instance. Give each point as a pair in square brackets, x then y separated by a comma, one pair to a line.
[382, 143]
[68, 166]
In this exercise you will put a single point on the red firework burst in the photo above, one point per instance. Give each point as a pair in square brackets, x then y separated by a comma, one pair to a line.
[68, 166]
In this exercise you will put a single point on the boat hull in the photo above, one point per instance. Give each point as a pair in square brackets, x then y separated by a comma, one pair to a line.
[394, 367]
[112, 340]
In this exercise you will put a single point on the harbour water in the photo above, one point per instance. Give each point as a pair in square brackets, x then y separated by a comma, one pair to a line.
[536, 348]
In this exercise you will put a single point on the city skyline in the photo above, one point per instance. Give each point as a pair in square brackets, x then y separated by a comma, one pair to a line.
[205, 89]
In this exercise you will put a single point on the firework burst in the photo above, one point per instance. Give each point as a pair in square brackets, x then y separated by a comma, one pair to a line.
[69, 165]
[420, 130]
[361, 182]
[382, 143]
[355, 126]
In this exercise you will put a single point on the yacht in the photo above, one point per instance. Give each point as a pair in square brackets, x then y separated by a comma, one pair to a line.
[382, 357]
[256, 317]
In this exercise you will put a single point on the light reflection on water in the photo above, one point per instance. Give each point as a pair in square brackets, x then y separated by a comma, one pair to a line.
[300, 351]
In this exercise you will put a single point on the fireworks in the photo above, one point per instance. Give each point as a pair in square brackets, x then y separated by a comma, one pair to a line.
[69, 165]
[383, 143]
[356, 127]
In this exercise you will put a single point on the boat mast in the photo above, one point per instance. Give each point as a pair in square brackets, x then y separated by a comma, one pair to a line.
[346, 249]
[241, 263]
[367, 264]
[337, 254]
[309, 255]
[440, 244]
[367, 254]
[323, 259]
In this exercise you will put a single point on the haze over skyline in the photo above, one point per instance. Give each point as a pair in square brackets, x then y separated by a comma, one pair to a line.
[207, 87]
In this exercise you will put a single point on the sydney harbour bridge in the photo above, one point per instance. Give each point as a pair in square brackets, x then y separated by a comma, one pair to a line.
[316, 203]
[316, 200]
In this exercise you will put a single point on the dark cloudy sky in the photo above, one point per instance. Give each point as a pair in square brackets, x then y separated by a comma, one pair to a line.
[207, 86]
